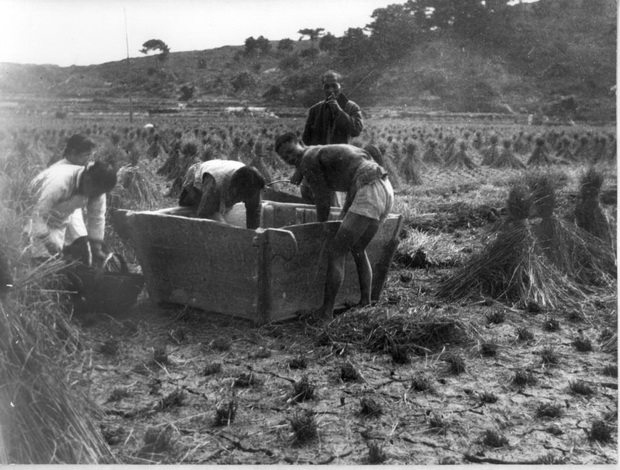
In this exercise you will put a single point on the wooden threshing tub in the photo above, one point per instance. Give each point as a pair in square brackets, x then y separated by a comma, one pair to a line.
[269, 274]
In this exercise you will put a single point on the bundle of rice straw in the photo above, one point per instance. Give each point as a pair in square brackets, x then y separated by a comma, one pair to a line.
[460, 159]
[507, 158]
[44, 419]
[133, 190]
[588, 211]
[584, 258]
[540, 155]
[491, 153]
[431, 155]
[411, 164]
[386, 162]
[513, 267]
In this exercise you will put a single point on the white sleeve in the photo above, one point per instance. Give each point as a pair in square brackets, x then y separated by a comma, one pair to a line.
[95, 220]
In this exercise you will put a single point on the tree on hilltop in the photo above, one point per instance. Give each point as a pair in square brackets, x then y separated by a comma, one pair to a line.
[156, 45]
[313, 34]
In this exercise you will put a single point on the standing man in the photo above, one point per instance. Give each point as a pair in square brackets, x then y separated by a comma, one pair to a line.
[335, 120]
[342, 167]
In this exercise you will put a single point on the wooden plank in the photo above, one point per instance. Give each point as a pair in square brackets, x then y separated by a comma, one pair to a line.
[198, 262]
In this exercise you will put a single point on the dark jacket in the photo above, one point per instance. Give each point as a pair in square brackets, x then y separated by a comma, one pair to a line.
[323, 128]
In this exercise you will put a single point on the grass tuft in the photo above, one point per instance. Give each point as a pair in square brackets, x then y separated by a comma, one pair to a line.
[492, 438]
[246, 380]
[489, 349]
[600, 432]
[421, 383]
[221, 343]
[524, 378]
[488, 397]
[370, 407]
[400, 354]
[551, 324]
[348, 373]
[579, 387]
[611, 370]
[376, 454]
[582, 344]
[157, 439]
[225, 413]
[304, 427]
[118, 394]
[524, 334]
[172, 400]
[212, 368]
[497, 317]
[456, 364]
[303, 390]
[549, 356]
[299, 362]
[160, 355]
[548, 410]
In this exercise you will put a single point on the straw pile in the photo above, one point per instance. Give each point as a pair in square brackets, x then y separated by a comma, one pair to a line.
[507, 158]
[133, 190]
[381, 330]
[411, 164]
[514, 266]
[460, 159]
[44, 420]
[588, 212]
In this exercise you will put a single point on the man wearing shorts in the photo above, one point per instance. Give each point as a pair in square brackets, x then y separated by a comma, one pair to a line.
[342, 167]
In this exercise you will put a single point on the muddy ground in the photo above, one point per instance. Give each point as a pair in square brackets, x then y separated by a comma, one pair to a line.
[176, 385]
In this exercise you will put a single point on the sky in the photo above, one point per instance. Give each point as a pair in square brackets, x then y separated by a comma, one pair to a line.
[85, 32]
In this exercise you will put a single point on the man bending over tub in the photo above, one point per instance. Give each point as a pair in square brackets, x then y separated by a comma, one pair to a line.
[215, 186]
[342, 167]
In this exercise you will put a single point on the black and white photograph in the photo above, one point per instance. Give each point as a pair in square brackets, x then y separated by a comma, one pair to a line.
[308, 232]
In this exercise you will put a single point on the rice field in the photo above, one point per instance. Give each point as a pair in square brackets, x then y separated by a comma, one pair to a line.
[423, 377]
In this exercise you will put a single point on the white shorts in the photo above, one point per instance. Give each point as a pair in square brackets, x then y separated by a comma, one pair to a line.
[374, 200]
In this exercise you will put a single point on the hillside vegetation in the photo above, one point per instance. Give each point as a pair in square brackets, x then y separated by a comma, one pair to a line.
[431, 54]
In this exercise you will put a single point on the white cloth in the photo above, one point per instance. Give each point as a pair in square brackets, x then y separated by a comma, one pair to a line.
[221, 171]
[61, 215]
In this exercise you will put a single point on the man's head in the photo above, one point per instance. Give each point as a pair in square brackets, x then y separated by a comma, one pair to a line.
[245, 183]
[331, 83]
[98, 178]
[78, 149]
[288, 148]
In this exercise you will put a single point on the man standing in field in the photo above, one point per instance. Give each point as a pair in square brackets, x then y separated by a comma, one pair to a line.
[342, 167]
[336, 120]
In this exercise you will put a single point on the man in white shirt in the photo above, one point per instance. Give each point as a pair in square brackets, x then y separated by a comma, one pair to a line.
[61, 190]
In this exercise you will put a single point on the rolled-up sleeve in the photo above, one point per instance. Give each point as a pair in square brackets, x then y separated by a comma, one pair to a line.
[95, 219]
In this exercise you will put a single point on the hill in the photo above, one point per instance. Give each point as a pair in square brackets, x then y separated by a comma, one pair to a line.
[557, 57]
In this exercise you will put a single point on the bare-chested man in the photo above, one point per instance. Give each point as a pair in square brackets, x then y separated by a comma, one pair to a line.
[342, 167]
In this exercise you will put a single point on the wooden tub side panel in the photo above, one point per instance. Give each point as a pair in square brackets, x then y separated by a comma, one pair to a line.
[198, 262]
[297, 285]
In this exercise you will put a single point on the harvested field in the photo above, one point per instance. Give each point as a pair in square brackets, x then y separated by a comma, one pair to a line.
[415, 379]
